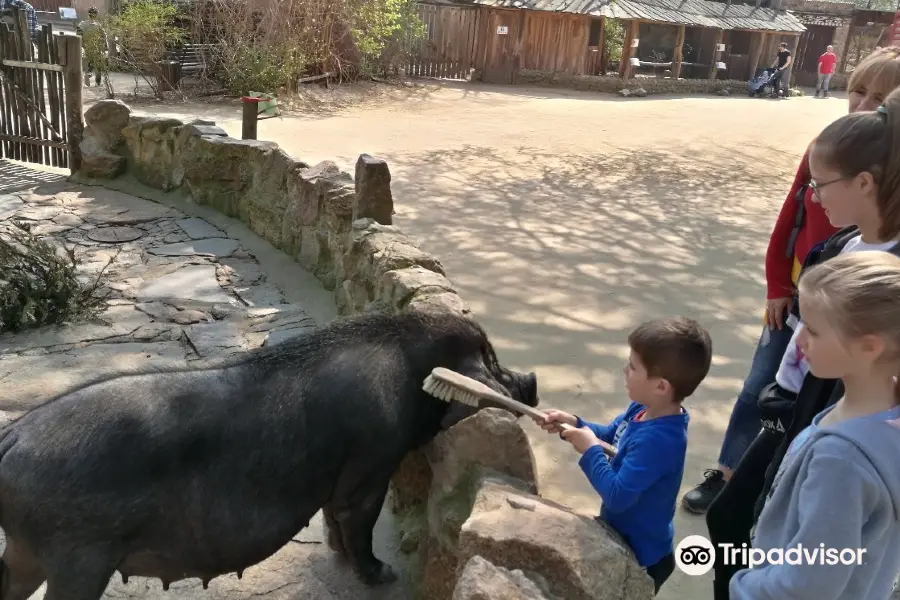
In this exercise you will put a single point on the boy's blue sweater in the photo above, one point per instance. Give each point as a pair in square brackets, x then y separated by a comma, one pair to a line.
[639, 488]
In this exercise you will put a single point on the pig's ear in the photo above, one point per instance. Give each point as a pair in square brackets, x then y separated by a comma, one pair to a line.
[456, 412]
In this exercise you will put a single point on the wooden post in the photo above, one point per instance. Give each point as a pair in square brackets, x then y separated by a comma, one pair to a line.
[715, 54]
[676, 56]
[630, 34]
[757, 43]
[70, 51]
[249, 118]
[846, 49]
[792, 46]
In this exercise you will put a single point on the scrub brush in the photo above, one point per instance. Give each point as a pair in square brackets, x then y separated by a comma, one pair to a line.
[448, 385]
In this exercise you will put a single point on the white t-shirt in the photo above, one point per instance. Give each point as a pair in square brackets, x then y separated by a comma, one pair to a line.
[793, 368]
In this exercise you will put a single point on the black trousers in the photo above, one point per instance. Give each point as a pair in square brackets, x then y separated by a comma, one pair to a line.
[661, 571]
[731, 515]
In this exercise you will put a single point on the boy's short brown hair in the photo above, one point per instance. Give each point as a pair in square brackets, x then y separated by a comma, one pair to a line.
[677, 349]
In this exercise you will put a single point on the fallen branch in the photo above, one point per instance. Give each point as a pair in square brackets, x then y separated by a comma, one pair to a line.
[312, 78]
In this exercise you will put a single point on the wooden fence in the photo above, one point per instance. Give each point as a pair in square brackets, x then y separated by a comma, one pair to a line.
[448, 48]
[40, 96]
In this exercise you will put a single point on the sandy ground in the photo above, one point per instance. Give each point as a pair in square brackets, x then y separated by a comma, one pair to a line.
[567, 218]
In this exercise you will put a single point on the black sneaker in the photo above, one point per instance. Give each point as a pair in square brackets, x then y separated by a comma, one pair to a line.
[698, 499]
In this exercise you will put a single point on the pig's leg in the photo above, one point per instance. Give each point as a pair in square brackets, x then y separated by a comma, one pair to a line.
[357, 503]
[335, 539]
[80, 575]
[20, 573]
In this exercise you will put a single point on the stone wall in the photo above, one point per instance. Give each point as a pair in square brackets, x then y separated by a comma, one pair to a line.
[469, 504]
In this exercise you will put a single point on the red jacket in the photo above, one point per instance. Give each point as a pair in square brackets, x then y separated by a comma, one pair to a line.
[816, 228]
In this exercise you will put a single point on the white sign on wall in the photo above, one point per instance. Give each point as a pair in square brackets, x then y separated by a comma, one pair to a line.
[502, 30]
[720, 47]
[635, 42]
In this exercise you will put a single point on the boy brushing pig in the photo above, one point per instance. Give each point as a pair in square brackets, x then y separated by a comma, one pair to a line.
[636, 462]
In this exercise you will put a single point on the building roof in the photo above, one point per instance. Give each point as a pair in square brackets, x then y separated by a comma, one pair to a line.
[701, 13]
[693, 13]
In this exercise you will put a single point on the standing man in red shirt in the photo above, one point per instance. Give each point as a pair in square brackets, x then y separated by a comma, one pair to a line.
[826, 70]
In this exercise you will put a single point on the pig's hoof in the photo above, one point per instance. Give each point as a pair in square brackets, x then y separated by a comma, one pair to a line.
[380, 575]
[335, 543]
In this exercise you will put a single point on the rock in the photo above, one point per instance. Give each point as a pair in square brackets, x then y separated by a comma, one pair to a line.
[193, 282]
[373, 190]
[492, 438]
[639, 92]
[190, 316]
[9, 205]
[104, 122]
[246, 272]
[151, 148]
[219, 338]
[217, 247]
[481, 580]
[265, 295]
[431, 300]
[98, 162]
[398, 287]
[723, 92]
[579, 559]
[624, 92]
[198, 229]
[375, 250]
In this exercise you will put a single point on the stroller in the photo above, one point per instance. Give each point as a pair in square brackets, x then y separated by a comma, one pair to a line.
[763, 84]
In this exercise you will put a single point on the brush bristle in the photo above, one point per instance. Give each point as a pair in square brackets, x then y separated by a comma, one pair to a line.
[447, 392]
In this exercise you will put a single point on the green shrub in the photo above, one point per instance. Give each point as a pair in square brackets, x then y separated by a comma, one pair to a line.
[38, 286]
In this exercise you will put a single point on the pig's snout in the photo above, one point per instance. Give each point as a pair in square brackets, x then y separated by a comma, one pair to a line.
[526, 388]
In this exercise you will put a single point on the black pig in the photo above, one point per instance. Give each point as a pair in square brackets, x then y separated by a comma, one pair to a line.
[200, 472]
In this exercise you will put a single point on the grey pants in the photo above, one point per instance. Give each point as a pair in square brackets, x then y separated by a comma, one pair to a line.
[824, 80]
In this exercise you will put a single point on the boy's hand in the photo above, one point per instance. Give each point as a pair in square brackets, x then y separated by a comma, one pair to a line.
[581, 438]
[552, 417]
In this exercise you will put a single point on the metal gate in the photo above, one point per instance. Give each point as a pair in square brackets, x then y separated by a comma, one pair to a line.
[40, 94]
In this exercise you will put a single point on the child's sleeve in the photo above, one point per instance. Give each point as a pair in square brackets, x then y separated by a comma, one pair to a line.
[836, 499]
[604, 432]
[641, 467]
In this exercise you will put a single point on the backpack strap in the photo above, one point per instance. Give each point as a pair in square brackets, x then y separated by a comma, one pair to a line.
[798, 219]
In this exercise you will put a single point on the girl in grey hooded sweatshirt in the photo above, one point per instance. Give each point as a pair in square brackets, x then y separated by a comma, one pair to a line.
[831, 527]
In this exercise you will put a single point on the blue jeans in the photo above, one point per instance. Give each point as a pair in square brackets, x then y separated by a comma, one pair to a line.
[745, 422]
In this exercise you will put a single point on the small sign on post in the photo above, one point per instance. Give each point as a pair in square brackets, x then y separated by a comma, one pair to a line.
[720, 47]
[635, 42]
[502, 30]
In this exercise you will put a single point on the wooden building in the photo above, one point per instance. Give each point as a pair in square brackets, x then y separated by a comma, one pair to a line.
[498, 38]
[698, 38]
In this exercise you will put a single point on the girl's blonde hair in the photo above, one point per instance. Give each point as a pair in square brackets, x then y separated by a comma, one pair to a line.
[861, 293]
[881, 69]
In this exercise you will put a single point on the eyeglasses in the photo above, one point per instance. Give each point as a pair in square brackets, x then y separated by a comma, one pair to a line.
[815, 186]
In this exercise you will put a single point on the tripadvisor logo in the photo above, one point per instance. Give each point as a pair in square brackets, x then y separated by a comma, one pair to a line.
[696, 555]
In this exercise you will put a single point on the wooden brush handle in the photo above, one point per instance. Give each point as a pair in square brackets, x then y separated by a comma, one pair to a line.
[539, 415]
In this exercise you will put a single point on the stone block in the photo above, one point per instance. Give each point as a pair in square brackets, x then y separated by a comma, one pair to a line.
[373, 190]
[482, 580]
[429, 299]
[150, 143]
[105, 122]
[219, 170]
[397, 287]
[579, 558]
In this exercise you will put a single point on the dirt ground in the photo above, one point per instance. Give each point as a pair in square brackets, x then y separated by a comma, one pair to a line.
[567, 218]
